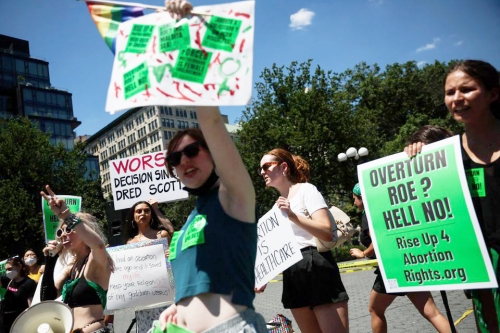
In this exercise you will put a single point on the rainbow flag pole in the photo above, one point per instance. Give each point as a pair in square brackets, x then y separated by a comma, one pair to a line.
[123, 3]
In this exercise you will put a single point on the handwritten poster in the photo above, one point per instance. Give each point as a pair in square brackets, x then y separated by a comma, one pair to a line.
[203, 59]
[141, 177]
[277, 248]
[142, 276]
[422, 221]
[50, 221]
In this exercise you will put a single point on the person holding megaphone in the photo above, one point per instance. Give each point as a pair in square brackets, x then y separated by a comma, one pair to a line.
[84, 282]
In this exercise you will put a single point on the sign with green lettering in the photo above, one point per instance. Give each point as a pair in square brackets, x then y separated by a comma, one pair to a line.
[50, 221]
[422, 221]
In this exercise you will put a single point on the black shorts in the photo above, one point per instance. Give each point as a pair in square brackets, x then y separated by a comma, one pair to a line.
[379, 285]
[313, 281]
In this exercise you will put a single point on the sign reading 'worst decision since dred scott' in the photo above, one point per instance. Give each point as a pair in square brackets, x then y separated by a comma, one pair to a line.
[423, 222]
[138, 178]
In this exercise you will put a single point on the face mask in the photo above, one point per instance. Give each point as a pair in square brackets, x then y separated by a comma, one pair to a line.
[11, 274]
[30, 261]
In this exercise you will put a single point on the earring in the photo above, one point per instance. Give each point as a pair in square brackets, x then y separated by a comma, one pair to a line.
[284, 174]
[133, 226]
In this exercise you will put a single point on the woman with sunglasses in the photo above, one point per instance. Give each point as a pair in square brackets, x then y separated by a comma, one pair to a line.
[312, 288]
[19, 291]
[213, 255]
[85, 280]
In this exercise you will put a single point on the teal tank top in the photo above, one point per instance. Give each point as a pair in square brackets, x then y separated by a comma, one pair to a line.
[214, 253]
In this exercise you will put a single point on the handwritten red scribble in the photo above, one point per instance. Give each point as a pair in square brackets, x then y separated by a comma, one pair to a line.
[121, 33]
[216, 60]
[237, 79]
[242, 44]
[153, 47]
[245, 15]
[158, 60]
[208, 85]
[237, 87]
[231, 92]
[117, 89]
[230, 12]
[198, 42]
[170, 56]
[147, 94]
[191, 90]
[168, 95]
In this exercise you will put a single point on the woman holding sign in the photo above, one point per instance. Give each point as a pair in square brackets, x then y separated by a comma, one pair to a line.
[471, 94]
[213, 255]
[312, 288]
[84, 283]
[379, 298]
[143, 222]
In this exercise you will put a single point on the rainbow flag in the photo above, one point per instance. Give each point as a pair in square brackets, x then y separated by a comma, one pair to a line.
[108, 17]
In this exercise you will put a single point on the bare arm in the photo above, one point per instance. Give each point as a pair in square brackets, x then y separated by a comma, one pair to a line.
[318, 225]
[165, 222]
[237, 194]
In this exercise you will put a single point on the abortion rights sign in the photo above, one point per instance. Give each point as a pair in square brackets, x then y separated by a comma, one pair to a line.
[423, 222]
[277, 248]
[141, 277]
[51, 221]
[203, 59]
[141, 177]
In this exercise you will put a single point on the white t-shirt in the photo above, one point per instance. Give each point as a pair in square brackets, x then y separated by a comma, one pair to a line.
[312, 200]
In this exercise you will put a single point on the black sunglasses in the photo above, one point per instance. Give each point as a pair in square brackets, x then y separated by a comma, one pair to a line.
[190, 151]
[60, 231]
[266, 166]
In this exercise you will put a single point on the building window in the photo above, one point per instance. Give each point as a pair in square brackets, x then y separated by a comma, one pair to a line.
[141, 132]
[133, 150]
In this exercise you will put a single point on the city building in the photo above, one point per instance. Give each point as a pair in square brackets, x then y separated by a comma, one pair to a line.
[140, 131]
[26, 90]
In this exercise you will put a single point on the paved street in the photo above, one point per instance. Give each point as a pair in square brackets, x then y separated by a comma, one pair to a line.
[401, 315]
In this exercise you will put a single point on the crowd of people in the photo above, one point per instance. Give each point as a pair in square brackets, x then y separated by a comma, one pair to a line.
[213, 255]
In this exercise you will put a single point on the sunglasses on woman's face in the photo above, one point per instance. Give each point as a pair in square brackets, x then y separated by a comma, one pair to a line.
[191, 150]
[264, 167]
[60, 231]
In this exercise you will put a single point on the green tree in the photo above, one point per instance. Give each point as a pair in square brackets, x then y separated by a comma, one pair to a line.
[27, 163]
[318, 114]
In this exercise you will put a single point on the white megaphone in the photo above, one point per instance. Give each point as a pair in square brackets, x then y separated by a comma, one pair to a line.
[44, 317]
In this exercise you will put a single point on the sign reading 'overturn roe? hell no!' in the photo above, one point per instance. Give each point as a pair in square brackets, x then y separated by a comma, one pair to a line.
[138, 178]
[423, 223]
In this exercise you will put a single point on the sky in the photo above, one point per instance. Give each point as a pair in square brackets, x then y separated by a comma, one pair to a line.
[335, 34]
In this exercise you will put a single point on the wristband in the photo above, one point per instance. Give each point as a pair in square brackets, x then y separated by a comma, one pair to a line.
[62, 213]
[72, 221]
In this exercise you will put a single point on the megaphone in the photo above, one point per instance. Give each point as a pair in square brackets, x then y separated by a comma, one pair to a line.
[44, 317]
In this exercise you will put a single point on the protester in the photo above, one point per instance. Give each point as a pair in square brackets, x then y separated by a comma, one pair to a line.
[379, 298]
[312, 288]
[144, 220]
[19, 291]
[33, 269]
[213, 255]
[85, 280]
[472, 91]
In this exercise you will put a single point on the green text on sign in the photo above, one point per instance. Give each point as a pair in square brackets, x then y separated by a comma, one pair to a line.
[174, 38]
[136, 80]
[221, 33]
[139, 38]
[192, 65]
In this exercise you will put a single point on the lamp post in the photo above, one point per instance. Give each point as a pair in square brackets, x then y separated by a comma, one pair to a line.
[352, 153]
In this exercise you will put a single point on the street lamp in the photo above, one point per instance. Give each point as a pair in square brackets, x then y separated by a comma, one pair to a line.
[352, 153]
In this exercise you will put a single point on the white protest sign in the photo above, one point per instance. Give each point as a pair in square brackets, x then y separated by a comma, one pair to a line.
[138, 178]
[277, 248]
[198, 60]
[141, 277]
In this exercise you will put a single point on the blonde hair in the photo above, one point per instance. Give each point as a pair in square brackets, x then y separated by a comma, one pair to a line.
[91, 222]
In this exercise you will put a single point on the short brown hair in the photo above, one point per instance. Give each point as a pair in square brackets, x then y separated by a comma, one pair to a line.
[299, 170]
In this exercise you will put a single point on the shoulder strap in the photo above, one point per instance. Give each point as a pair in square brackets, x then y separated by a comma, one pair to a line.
[301, 195]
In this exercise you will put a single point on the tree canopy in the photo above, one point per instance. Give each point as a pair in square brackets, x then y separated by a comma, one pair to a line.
[28, 162]
[318, 114]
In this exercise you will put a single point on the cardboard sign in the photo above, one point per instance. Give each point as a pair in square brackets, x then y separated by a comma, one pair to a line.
[198, 60]
[138, 178]
[142, 276]
[51, 221]
[277, 248]
[422, 221]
